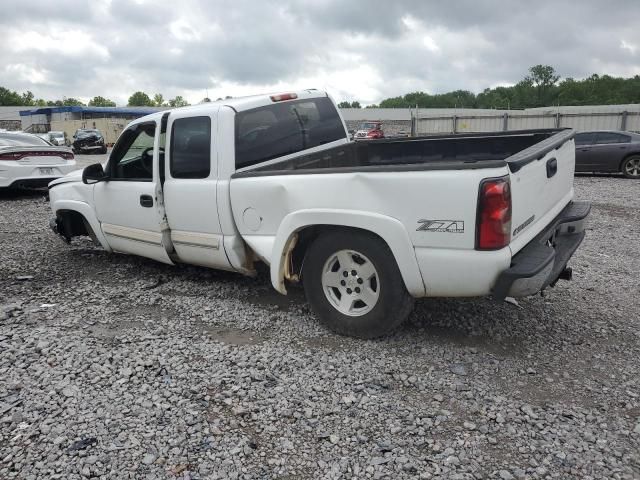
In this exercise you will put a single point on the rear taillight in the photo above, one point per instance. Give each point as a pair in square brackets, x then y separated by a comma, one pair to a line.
[493, 230]
[19, 155]
[10, 156]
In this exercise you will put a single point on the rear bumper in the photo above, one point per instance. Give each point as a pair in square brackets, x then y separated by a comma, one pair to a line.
[544, 260]
[18, 175]
[40, 182]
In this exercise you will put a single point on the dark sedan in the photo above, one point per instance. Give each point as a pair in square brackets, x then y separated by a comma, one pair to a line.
[88, 140]
[608, 151]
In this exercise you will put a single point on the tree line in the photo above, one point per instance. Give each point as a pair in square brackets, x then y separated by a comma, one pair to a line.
[541, 87]
[137, 99]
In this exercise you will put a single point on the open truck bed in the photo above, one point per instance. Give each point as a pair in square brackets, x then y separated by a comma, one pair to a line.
[439, 152]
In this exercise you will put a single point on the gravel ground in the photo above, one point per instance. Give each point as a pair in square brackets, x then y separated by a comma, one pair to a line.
[117, 367]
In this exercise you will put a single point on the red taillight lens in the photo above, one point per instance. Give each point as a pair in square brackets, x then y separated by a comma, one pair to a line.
[284, 96]
[19, 155]
[10, 156]
[494, 214]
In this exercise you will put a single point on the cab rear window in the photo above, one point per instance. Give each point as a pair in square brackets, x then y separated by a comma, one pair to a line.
[283, 128]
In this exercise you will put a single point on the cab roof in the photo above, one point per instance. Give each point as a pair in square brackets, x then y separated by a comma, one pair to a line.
[238, 104]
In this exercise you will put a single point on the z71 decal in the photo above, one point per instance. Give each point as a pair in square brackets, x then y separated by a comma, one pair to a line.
[445, 226]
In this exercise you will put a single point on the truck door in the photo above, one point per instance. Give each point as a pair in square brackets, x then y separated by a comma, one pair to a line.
[126, 204]
[190, 187]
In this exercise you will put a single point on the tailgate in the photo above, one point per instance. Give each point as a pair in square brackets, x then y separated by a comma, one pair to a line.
[541, 185]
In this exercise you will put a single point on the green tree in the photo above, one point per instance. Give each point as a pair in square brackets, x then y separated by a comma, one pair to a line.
[9, 97]
[140, 99]
[344, 105]
[27, 98]
[70, 101]
[178, 101]
[101, 102]
[158, 100]
[543, 78]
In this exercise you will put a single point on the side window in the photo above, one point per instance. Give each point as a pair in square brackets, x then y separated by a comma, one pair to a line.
[191, 148]
[283, 128]
[610, 137]
[132, 156]
[584, 138]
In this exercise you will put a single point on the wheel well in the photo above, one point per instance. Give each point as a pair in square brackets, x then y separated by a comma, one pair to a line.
[308, 235]
[73, 224]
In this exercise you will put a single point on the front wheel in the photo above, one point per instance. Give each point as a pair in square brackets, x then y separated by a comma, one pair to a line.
[354, 286]
[631, 167]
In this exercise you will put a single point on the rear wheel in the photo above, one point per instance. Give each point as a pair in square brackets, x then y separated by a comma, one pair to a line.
[354, 286]
[631, 167]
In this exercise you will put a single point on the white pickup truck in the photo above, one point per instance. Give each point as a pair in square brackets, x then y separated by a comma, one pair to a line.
[365, 226]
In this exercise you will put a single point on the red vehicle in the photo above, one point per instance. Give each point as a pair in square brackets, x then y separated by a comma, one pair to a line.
[369, 131]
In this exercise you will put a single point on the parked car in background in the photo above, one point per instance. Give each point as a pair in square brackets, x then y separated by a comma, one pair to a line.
[608, 151]
[26, 160]
[88, 140]
[369, 131]
[59, 138]
[43, 136]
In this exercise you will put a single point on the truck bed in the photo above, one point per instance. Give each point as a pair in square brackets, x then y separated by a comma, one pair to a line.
[440, 152]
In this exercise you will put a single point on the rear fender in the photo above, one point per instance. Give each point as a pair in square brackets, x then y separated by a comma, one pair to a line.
[389, 229]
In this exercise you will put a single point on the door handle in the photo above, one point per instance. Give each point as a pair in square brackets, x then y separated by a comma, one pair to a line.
[146, 201]
[552, 167]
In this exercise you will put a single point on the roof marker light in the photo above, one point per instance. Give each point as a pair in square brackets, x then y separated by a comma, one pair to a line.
[284, 96]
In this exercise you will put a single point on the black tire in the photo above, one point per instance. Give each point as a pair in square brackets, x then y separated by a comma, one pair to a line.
[627, 167]
[393, 302]
[103, 150]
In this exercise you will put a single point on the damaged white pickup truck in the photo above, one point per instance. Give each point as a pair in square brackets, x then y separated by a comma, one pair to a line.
[366, 227]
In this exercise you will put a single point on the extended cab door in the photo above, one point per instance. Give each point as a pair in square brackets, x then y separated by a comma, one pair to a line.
[190, 187]
[126, 203]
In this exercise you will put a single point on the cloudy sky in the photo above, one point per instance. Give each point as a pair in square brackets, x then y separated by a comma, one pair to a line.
[357, 50]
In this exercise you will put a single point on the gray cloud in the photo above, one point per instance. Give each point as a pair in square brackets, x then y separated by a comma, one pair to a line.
[357, 50]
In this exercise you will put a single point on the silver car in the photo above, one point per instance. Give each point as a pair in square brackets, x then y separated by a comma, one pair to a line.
[608, 151]
[59, 138]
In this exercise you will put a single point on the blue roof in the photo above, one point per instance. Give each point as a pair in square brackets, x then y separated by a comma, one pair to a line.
[140, 111]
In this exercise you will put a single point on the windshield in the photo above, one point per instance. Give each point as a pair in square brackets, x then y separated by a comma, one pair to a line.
[21, 140]
[56, 134]
[367, 126]
[86, 133]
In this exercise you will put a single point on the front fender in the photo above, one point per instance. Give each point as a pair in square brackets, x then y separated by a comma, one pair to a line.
[87, 212]
[391, 230]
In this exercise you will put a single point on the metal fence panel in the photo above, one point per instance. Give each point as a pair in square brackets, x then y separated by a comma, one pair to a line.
[435, 125]
[583, 123]
[479, 124]
[633, 122]
[525, 122]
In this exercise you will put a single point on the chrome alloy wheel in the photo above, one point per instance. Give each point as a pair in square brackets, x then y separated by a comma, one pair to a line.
[351, 283]
[632, 167]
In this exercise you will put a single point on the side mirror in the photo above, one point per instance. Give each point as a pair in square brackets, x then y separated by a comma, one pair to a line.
[93, 174]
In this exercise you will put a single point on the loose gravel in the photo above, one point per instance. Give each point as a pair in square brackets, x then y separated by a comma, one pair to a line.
[113, 366]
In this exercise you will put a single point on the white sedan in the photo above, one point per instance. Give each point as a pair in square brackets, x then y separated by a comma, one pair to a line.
[28, 161]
